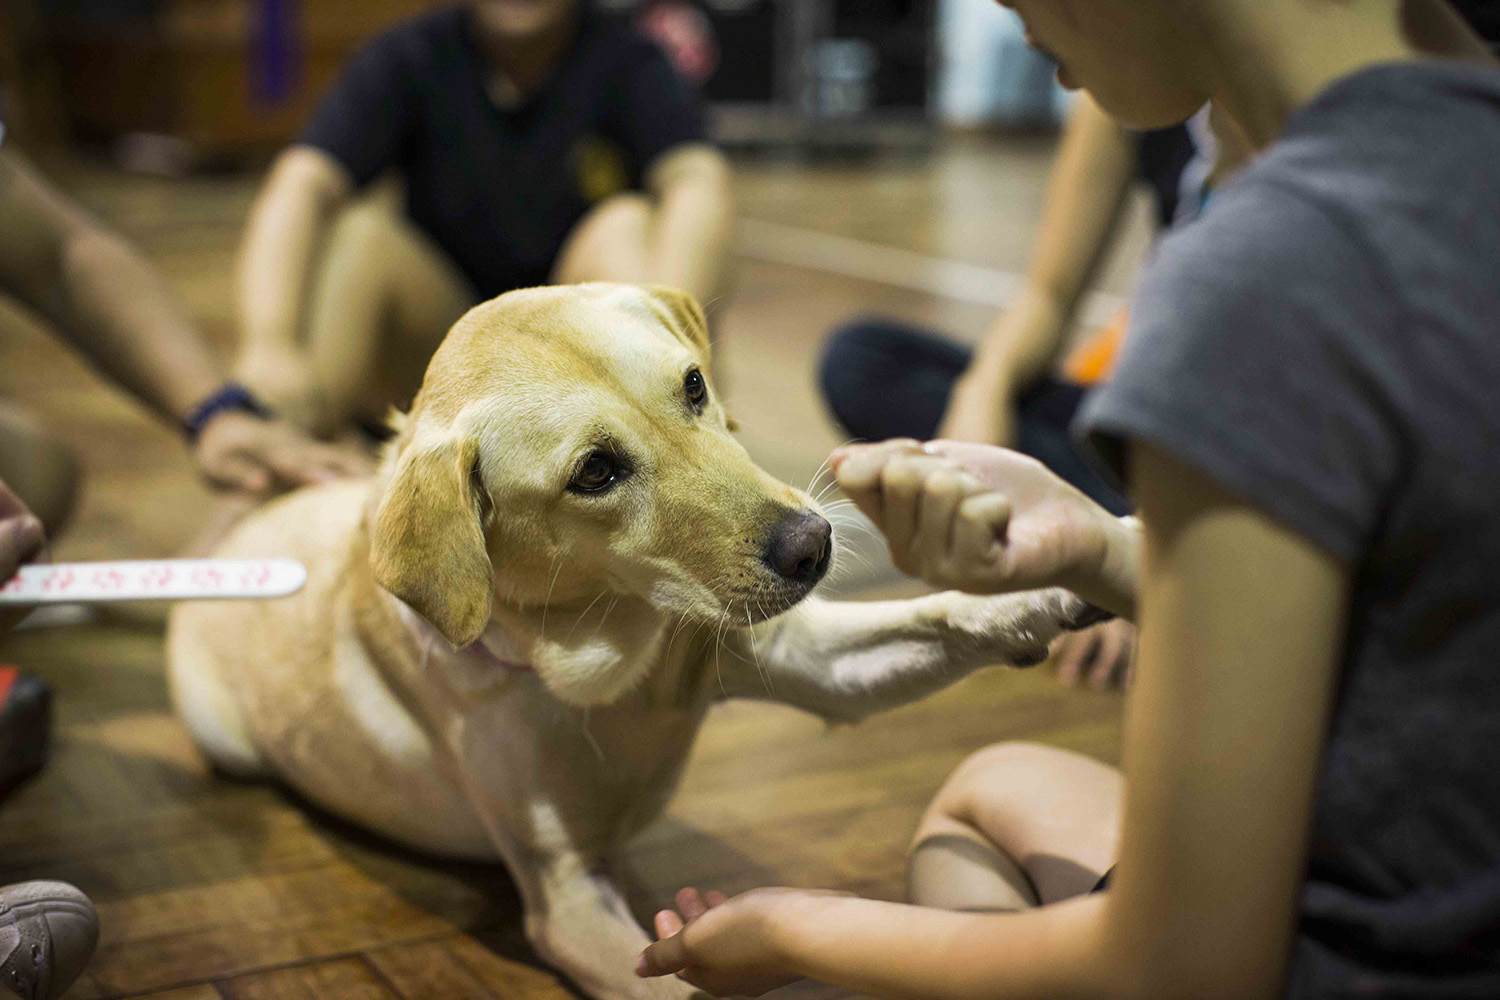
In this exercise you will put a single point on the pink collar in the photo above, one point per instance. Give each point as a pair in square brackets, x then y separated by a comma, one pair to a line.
[480, 651]
[477, 651]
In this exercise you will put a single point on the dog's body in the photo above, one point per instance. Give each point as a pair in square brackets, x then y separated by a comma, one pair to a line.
[497, 658]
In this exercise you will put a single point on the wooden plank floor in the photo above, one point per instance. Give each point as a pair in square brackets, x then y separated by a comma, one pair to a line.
[212, 889]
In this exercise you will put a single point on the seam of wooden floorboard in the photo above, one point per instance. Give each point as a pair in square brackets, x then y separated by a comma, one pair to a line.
[217, 981]
[379, 973]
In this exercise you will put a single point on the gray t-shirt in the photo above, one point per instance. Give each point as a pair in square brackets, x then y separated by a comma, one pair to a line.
[1325, 342]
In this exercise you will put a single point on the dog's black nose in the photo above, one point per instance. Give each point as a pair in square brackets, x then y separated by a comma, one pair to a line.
[801, 547]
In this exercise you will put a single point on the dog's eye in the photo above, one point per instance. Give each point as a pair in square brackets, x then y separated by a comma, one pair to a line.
[695, 389]
[599, 471]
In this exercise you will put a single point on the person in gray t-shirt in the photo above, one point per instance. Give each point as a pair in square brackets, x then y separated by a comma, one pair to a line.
[1326, 348]
[1308, 415]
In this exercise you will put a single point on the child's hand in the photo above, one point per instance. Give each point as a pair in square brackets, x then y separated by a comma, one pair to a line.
[243, 453]
[985, 520]
[21, 541]
[722, 946]
[1099, 656]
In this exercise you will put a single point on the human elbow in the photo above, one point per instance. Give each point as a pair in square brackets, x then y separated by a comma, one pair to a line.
[699, 168]
[303, 173]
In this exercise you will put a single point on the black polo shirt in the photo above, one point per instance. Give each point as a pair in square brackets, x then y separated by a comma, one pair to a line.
[499, 189]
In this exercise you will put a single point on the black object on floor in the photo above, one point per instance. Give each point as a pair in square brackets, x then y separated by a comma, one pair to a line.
[25, 726]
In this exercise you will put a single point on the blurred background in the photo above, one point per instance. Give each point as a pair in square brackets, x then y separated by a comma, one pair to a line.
[172, 83]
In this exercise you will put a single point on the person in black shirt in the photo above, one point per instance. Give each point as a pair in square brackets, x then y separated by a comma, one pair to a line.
[532, 143]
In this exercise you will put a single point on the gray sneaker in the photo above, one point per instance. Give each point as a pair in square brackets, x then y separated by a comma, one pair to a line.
[47, 934]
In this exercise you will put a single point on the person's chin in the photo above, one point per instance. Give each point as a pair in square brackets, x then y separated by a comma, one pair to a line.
[520, 27]
[518, 21]
[1146, 117]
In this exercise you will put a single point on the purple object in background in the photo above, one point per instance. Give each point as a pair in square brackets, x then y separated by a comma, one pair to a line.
[275, 50]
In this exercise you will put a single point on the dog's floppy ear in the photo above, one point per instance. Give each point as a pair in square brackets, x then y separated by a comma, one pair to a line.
[427, 544]
[683, 315]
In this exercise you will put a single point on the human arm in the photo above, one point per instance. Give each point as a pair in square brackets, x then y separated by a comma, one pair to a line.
[1242, 630]
[100, 294]
[694, 219]
[358, 131]
[288, 223]
[658, 120]
[1091, 179]
[104, 297]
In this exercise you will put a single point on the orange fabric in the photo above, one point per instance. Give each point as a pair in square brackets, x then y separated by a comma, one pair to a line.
[1093, 361]
[8, 677]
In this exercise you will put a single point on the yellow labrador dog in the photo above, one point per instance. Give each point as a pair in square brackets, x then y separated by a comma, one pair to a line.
[508, 638]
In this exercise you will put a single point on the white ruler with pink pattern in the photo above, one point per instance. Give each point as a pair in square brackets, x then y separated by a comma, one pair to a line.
[153, 580]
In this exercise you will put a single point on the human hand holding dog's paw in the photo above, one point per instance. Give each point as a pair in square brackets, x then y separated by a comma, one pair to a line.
[988, 520]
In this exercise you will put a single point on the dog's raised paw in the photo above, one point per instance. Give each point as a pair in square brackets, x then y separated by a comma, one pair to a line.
[1016, 629]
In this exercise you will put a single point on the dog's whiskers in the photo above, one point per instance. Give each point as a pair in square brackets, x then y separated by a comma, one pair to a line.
[548, 601]
[698, 627]
[719, 644]
[588, 734]
[822, 467]
[607, 610]
[755, 652]
[584, 613]
[681, 622]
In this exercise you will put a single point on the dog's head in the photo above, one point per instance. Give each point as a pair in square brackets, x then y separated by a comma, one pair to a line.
[567, 442]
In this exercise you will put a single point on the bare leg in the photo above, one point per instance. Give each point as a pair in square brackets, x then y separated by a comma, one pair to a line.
[611, 243]
[39, 466]
[383, 299]
[1016, 825]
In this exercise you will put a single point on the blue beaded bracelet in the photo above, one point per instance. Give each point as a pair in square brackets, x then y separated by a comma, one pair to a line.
[231, 396]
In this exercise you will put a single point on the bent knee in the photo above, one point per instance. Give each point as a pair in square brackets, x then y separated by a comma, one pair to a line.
[993, 776]
[617, 228]
[857, 357]
[1015, 754]
[363, 226]
[628, 208]
[609, 243]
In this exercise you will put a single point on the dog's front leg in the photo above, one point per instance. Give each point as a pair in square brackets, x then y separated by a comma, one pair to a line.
[844, 660]
[579, 924]
[534, 791]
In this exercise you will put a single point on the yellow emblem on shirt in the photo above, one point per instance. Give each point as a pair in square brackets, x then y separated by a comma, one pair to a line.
[599, 168]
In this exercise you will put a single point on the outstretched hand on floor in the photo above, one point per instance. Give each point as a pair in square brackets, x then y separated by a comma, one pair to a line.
[724, 946]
